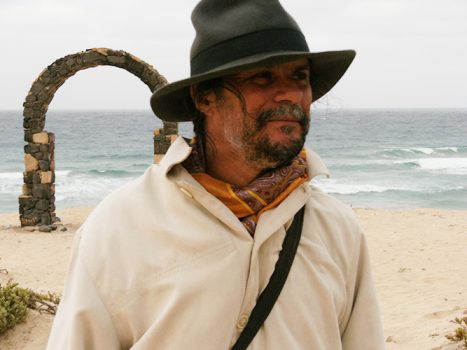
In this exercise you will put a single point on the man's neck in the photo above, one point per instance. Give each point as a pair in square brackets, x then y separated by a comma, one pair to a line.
[230, 167]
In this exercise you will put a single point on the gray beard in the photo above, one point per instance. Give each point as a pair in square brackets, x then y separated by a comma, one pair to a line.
[266, 155]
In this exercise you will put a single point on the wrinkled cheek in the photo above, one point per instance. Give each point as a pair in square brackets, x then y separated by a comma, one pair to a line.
[234, 135]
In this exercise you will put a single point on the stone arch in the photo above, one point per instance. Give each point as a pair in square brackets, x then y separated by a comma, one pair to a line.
[37, 202]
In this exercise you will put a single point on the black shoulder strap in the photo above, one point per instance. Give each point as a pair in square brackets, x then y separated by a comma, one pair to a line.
[268, 297]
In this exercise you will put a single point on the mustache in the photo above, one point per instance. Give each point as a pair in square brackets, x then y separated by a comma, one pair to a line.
[284, 109]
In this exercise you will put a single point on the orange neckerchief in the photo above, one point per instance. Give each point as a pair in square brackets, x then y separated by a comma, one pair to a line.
[265, 192]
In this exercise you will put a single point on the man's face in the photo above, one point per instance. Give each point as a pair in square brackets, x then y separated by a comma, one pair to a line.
[262, 114]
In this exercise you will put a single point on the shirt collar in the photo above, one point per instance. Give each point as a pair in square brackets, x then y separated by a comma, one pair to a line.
[316, 166]
[178, 151]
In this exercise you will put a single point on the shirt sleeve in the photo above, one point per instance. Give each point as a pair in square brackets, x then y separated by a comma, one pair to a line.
[364, 328]
[82, 320]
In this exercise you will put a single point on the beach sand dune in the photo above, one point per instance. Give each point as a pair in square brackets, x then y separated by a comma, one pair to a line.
[418, 257]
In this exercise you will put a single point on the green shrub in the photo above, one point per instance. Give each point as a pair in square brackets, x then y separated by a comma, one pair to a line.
[460, 334]
[15, 302]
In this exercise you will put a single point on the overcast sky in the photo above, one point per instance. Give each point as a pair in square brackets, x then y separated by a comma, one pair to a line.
[410, 53]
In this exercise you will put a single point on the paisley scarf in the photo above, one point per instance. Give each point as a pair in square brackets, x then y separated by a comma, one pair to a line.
[265, 192]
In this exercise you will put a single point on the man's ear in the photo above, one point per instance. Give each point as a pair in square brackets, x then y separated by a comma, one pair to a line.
[202, 102]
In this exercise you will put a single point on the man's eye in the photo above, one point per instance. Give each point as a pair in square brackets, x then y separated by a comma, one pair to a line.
[302, 75]
[262, 78]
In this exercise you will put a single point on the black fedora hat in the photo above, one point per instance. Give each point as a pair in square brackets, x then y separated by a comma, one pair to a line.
[235, 35]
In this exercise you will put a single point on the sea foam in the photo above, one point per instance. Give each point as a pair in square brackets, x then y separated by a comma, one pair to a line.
[402, 152]
[335, 187]
[454, 166]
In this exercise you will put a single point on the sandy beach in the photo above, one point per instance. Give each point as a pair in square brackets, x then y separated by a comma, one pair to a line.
[418, 259]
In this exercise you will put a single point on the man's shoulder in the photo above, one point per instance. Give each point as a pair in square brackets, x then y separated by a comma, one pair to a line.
[136, 201]
[138, 190]
[151, 188]
[337, 221]
[129, 217]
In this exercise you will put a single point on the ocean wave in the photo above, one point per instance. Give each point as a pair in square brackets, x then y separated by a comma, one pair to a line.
[338, 187]
[402, 152]
[335, 187]
[372, 165]
[448, 149]
[10, 183]
[19, 175]
[111, 173]
[62, 173]
[451, 166]
[423, 150]
[11, 176]
[119, 156]
[454, 166]
[86, 190]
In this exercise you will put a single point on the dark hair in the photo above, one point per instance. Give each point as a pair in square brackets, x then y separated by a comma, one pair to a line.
[204, 88]
[199, 93]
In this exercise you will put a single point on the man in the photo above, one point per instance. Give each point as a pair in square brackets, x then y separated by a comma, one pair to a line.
[177, 258]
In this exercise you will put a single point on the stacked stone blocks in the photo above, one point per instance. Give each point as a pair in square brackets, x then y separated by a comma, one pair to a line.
[163, 139]
[37, 202]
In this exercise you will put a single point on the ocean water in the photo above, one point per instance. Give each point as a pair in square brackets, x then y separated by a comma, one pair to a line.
[406, 158]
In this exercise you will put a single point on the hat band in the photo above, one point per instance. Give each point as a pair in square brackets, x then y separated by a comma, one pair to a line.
[270, 40]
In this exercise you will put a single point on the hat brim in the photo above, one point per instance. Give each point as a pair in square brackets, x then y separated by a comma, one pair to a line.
[171, 102]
